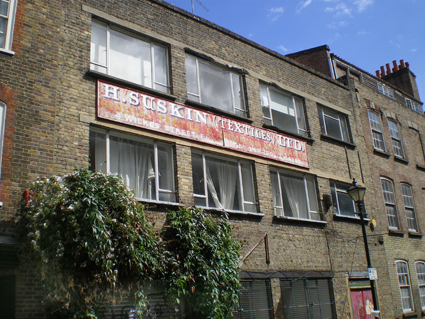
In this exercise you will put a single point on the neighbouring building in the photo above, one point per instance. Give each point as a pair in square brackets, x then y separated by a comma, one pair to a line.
[389, 102]
[189, 113]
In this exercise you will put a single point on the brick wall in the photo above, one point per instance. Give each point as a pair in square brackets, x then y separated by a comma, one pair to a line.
[53, 108]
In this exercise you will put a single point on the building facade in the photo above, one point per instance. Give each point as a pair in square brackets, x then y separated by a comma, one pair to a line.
[189, 113]
[390, 103]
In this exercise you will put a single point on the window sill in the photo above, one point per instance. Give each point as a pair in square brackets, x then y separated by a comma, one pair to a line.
[335, 140]
[401, 160]
[396, 232]
[218, 111]
[7, 51]
[420, 167]
[381, 152]
[131, 85]
[231, 211]
[410, 314]
[155, 205]
[415, 234]
[277, 129]
[300, 220]
[346, 217]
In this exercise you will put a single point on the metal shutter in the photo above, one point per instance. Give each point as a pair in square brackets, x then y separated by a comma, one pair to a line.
[255, 300]
[307, 298]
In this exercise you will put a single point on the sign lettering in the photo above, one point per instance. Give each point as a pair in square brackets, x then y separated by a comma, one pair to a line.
[127, 106]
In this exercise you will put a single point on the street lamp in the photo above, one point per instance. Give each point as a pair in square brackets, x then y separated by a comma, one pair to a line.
[357, 193]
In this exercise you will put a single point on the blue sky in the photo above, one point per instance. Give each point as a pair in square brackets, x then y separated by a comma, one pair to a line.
[366, 33]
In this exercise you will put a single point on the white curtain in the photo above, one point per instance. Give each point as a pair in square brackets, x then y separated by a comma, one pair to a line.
[294, 196]
[226, 176]
[132, 161]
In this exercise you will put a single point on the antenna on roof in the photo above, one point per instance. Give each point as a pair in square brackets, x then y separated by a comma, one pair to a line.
[193, 9]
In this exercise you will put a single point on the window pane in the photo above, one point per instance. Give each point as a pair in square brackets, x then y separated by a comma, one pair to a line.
[160, 56]
[134, 162]
[98, 151]
[394, 130]
[294, 196]
[248, 186]
[344, 129]
[277, 203]
[198, 174]
[404, 285]
[302, 128]
[98, 43]
[312, 195]
[191, 76]
[166, 173]
[265, 102]
[222, 178]
[378, 141]
[4, 8]
[3, 25]
[375, 121]
[215, 87]
[237, 91]
[392, 216]
[332, 127]
[130, 59]
[283, 111]
[345, 204]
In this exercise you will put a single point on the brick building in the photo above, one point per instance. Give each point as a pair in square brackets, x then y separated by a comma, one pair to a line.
[189, 113]
[390, 103]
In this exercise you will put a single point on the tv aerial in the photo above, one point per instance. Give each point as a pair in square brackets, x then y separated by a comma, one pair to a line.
[193, 8]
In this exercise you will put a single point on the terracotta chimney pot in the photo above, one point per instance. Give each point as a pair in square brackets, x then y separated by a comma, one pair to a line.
[395, 66]
[382, 71]
[388, 68]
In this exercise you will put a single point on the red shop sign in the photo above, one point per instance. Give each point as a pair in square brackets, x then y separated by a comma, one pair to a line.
[127, 106]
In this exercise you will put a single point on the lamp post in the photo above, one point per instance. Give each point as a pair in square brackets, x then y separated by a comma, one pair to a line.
[357, 194]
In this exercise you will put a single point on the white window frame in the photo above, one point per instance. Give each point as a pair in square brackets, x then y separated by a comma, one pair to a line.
[421, 281]
[279, 209]
[413, 106]
[403, 280]
[156, 85]
[339, 188]
[3, 109]
[376, 131]
[396, 139]
[297, 103]
[409, 206]
[197, 97]
[385, 91]
[239, 180]
[389, 202]
[155, 167]
[10, 18]
[342, 119]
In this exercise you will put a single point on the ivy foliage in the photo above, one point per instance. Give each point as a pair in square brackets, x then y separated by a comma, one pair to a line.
[88, 238]
[202, 260]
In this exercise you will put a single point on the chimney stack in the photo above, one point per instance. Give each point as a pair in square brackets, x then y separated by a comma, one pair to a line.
[400, 76]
